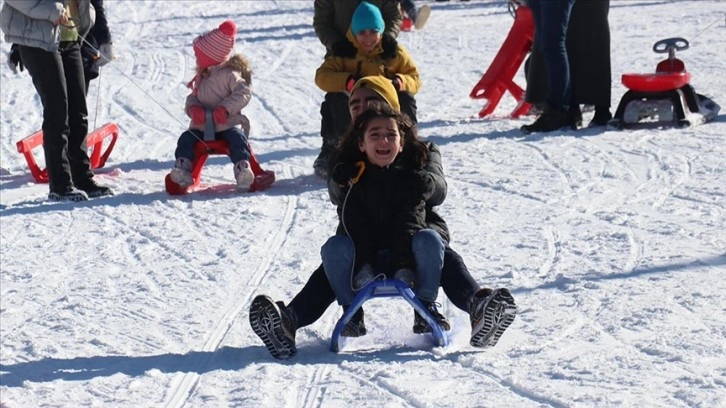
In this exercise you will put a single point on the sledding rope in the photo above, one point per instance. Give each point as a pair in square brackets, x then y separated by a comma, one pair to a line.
[98, 94]
[707, 28]
[143, 91]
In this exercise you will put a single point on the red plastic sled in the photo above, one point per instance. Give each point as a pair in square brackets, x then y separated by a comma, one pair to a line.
[499, 76]
[94, 141]
[263, 178]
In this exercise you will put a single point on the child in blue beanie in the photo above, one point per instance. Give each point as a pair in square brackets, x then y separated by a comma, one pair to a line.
[374, 57]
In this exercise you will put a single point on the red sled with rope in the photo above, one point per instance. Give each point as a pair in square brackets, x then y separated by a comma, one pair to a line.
[209, 146]
[202, 150]
[95, 142]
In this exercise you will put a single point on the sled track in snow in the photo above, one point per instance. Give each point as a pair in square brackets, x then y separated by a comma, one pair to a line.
[183, 385]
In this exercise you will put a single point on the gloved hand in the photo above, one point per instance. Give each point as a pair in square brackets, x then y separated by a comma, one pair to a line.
[106, 51]
[350, 82]
[220, 115]
[14, 61]
[198, 115]
[345, 173]
[397, 83]
[389, 45]
[344, 48]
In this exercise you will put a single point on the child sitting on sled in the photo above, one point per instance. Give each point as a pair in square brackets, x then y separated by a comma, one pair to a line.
[376, 55]
[221, 87]
[382, 229]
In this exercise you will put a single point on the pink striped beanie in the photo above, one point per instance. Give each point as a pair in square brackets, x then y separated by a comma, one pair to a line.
[215, 47]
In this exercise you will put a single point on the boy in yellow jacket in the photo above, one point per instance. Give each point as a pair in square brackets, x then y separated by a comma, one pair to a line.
[374, 57]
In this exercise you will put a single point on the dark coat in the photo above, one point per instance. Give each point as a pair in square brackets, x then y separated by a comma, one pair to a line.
[99, 34]
[435, 169]
[588, 49]
[383, 211]
[331, 19]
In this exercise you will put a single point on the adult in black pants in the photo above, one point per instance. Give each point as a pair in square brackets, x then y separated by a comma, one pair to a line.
[588, 52]
[276, 323]
[49, 34]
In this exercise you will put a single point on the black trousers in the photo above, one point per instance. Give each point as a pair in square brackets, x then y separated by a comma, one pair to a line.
[335, 117]
[408, 105]
[60, 83]
[317, 295]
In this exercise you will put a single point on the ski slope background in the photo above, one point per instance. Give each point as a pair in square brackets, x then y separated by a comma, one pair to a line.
[612, 242]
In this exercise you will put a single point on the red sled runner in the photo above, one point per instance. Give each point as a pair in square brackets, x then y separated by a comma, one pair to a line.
[202, 150]
[499, 77]
[94, 141]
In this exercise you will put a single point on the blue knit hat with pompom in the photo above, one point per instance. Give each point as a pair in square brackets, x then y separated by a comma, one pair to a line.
[367, 17]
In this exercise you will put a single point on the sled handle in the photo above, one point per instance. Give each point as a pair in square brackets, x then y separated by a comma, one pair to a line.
[667, 44]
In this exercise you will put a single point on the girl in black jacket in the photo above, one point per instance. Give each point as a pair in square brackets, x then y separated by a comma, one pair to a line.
[383, 228]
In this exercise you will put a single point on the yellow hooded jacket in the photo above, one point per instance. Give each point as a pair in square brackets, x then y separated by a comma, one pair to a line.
[332, 75]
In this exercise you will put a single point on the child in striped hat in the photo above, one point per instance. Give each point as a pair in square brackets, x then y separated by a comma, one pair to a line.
[221, 87]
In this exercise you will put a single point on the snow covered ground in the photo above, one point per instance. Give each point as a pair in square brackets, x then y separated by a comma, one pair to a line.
[612, 242]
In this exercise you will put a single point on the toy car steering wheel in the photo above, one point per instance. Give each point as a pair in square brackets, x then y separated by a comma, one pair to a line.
[675, 43]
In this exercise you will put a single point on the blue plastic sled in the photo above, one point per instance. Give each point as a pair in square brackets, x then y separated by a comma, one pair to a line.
[388, 288]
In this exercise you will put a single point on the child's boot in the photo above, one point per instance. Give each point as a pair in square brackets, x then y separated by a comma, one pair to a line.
[422, 16]
[181, 174]
[421, 326]
[244, 175]
[356, 327]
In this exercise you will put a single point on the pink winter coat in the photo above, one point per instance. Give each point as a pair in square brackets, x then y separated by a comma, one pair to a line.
[226, 86]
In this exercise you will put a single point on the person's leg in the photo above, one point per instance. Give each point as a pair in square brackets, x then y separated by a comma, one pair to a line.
[314, 298]
[408, 105]
[181, 174]
[409, 8]
[338, 105]
[237, 140]
[338, 255]
[46, 71]
[428, 250]
[335, 121]
[185, 144]
[239, 154]
[555, 16]
[77, 113]
[456, 281]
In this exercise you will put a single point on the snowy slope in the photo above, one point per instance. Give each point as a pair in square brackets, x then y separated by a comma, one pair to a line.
[612, 242]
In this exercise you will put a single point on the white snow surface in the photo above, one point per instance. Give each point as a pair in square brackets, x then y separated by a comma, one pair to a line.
[612, 242]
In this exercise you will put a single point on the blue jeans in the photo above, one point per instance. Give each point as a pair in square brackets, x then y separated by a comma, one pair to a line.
[551, 18]
[338, 255]
[238, 149]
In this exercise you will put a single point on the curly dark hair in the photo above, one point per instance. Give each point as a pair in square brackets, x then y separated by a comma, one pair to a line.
[415, 152]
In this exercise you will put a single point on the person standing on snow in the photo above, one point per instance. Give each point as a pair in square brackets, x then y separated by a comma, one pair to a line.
[97, 41]
[48, 34]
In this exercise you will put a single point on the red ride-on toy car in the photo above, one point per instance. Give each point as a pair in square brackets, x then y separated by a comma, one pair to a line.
[664, 97]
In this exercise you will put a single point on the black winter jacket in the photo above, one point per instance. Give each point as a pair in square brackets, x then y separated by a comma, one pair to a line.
[434, 167]
[383, 211]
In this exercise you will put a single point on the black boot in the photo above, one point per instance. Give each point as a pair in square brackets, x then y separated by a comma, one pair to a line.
[421, 326]
[602, 116]
[92, 189]
[551, 119]
[275, 324]
[356, 327]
